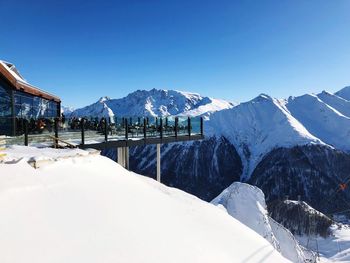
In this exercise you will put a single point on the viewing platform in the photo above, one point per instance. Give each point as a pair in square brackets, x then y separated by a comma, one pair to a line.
[104, 133]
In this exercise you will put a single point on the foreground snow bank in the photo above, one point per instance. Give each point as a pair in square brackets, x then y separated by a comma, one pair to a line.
[247, 204]
[90, 209]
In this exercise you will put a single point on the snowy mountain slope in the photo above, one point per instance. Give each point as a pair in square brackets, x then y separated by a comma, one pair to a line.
[254, 130]
[321, 120]
[67, 110]
[335, 248]
[258, 126]
[290, 247]
[298, 216]
[333, 239]
[98, 109]
[68, 211]
[336, 102]
[246, 203]
[207, 109]
[156, 103]
[312, 172]
[344, 93]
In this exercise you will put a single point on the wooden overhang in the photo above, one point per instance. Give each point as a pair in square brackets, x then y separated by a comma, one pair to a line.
[25, 87]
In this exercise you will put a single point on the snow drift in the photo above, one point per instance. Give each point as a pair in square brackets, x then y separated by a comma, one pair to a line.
[84, 208]
[246, 203]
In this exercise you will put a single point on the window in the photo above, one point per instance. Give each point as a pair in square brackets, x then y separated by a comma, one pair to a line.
[5, 109]
[28, 106]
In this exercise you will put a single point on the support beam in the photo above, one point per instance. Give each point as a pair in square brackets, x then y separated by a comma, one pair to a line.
[123, 156]
[158, 162]
[126, 154]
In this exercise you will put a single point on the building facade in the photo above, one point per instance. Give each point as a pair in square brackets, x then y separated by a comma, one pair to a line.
[21, 101]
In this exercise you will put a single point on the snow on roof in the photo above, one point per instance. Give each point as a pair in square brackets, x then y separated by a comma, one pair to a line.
[10, 72]
[13, 70]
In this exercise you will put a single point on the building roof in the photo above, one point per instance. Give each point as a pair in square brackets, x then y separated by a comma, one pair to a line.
[9, 71]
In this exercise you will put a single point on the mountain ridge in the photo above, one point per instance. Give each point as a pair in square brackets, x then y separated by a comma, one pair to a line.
[259, 142]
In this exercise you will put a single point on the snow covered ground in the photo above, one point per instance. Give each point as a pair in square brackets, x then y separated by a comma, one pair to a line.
[247, 204]
[335, 248]
[86, 208]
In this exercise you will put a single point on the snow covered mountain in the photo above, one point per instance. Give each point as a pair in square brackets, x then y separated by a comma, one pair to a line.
[258, 126]
[154, 103]
[67, 110]
[303, 140]
[321, 119]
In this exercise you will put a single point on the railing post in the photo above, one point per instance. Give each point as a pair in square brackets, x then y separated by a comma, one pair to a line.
[82, 124]
[56, 132]
[189, 126]
[26, 132]
[106, 129]
[126, 129]
[161, 128]
[176, 125]
[144, 128]
[202, 126]
[158, 163]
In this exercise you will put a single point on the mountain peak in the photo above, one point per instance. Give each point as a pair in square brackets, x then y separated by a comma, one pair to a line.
[157, 102]
[262, 97]
[103, 99]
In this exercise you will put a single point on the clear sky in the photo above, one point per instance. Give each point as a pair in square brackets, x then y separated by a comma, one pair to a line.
[82, 50]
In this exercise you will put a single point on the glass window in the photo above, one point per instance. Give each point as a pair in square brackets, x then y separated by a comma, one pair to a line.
[5, 101]
[23, 105]
[5, 109]
[27, 106]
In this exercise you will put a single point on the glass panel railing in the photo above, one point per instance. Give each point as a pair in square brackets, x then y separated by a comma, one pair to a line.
[90, 130]
[195, 125]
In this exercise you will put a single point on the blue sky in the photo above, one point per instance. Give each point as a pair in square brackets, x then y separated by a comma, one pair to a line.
[82, 50]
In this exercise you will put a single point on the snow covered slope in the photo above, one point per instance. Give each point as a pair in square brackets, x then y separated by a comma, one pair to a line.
[321, 120]
[68, 211]
[335, 248]
[258, 126]
[98, 109]
[336, 102]
[67, 110]
[344, 93]
[246, 203]
[155, 103]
